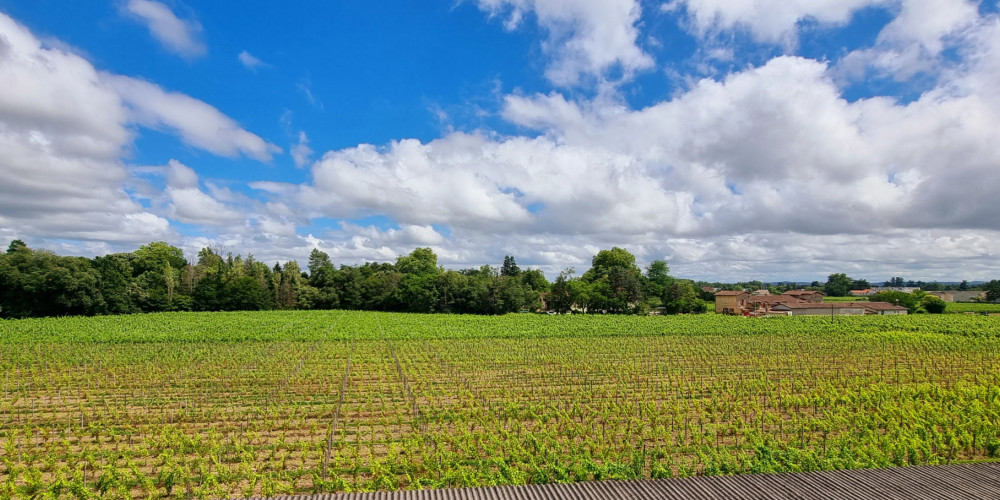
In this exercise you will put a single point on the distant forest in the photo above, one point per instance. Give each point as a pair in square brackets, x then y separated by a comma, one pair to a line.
[157, 277]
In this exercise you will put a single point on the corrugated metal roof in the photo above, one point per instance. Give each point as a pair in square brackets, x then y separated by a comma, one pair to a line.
[934, 482]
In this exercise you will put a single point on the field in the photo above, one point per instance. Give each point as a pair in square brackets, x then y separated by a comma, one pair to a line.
[971, 307]
[244, 404]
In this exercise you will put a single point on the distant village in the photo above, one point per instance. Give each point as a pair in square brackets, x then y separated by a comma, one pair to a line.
[810, 302]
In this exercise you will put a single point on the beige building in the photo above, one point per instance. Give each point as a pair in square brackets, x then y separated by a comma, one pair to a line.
[884, 308]
[730, 302]
[814, 309]
[959, 295]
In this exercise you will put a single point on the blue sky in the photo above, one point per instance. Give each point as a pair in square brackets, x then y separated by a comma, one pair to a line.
[738, 139]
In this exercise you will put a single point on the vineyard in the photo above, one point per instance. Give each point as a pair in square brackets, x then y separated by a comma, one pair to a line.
[214, 405]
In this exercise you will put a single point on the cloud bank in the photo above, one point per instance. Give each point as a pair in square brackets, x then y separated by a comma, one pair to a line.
[768, 171]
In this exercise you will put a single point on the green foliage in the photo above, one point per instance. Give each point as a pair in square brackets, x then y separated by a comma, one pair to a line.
[838, 285]
[615, 282]
[40, 283]
[155, 256]
[509, 267]
[908, 300]
[421, 261]
[992, 291]
[932, 304]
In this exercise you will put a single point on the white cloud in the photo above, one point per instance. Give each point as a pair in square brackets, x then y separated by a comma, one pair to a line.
[773, 21]
[301, 152]
[584, 38]
[769, 172]
[188, 203]
[181, 36]
[250, 62]
[914, 40]
[765, 173]
[198, 123]
[64, 127]
[61, 133]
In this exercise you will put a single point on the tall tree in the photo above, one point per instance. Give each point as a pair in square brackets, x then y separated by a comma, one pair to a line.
[992, 290]
[420, 261]
[615, 281]
[16, 245]
[509, 267]
[837, 285]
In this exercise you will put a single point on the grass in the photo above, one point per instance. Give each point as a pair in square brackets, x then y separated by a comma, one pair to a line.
[971, 307]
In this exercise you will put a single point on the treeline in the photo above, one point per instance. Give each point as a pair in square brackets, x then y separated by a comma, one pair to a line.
[157, 277]
[841, 285]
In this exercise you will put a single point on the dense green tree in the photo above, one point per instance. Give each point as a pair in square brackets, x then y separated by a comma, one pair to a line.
[509, 267]
[420, 261]
[838, 285]
[16, 245]
[40, 283]
[243, 294]
[615, 281]
[418, 293]
[992, 291]
[560, 296]
[321, 270]
[534, 279]
[208, 294]
[155, 256]
[657, 280]
[681, 297]
[115, 283]
[907, 300]
[933, 304]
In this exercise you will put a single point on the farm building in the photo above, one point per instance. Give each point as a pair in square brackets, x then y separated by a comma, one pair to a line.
[814, 309]
[883, 308]
[801, 304]
[806, 295]
[730, 302]
[959, 295]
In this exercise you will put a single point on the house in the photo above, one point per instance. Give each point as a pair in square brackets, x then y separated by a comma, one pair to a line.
[883, 308]
[863, 293]
[959, 295]
[806, 295]
[730, 302]
[803, 304]
[821, 309]
[747, 304]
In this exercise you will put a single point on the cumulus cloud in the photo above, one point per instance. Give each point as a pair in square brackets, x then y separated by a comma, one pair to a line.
[769, 169]
[61, 133]
[914, 40]
[764, 173]
[64, 127]
[181, 36]
[197, 122]
[773, 21]
[584, 38]
[188, 203]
